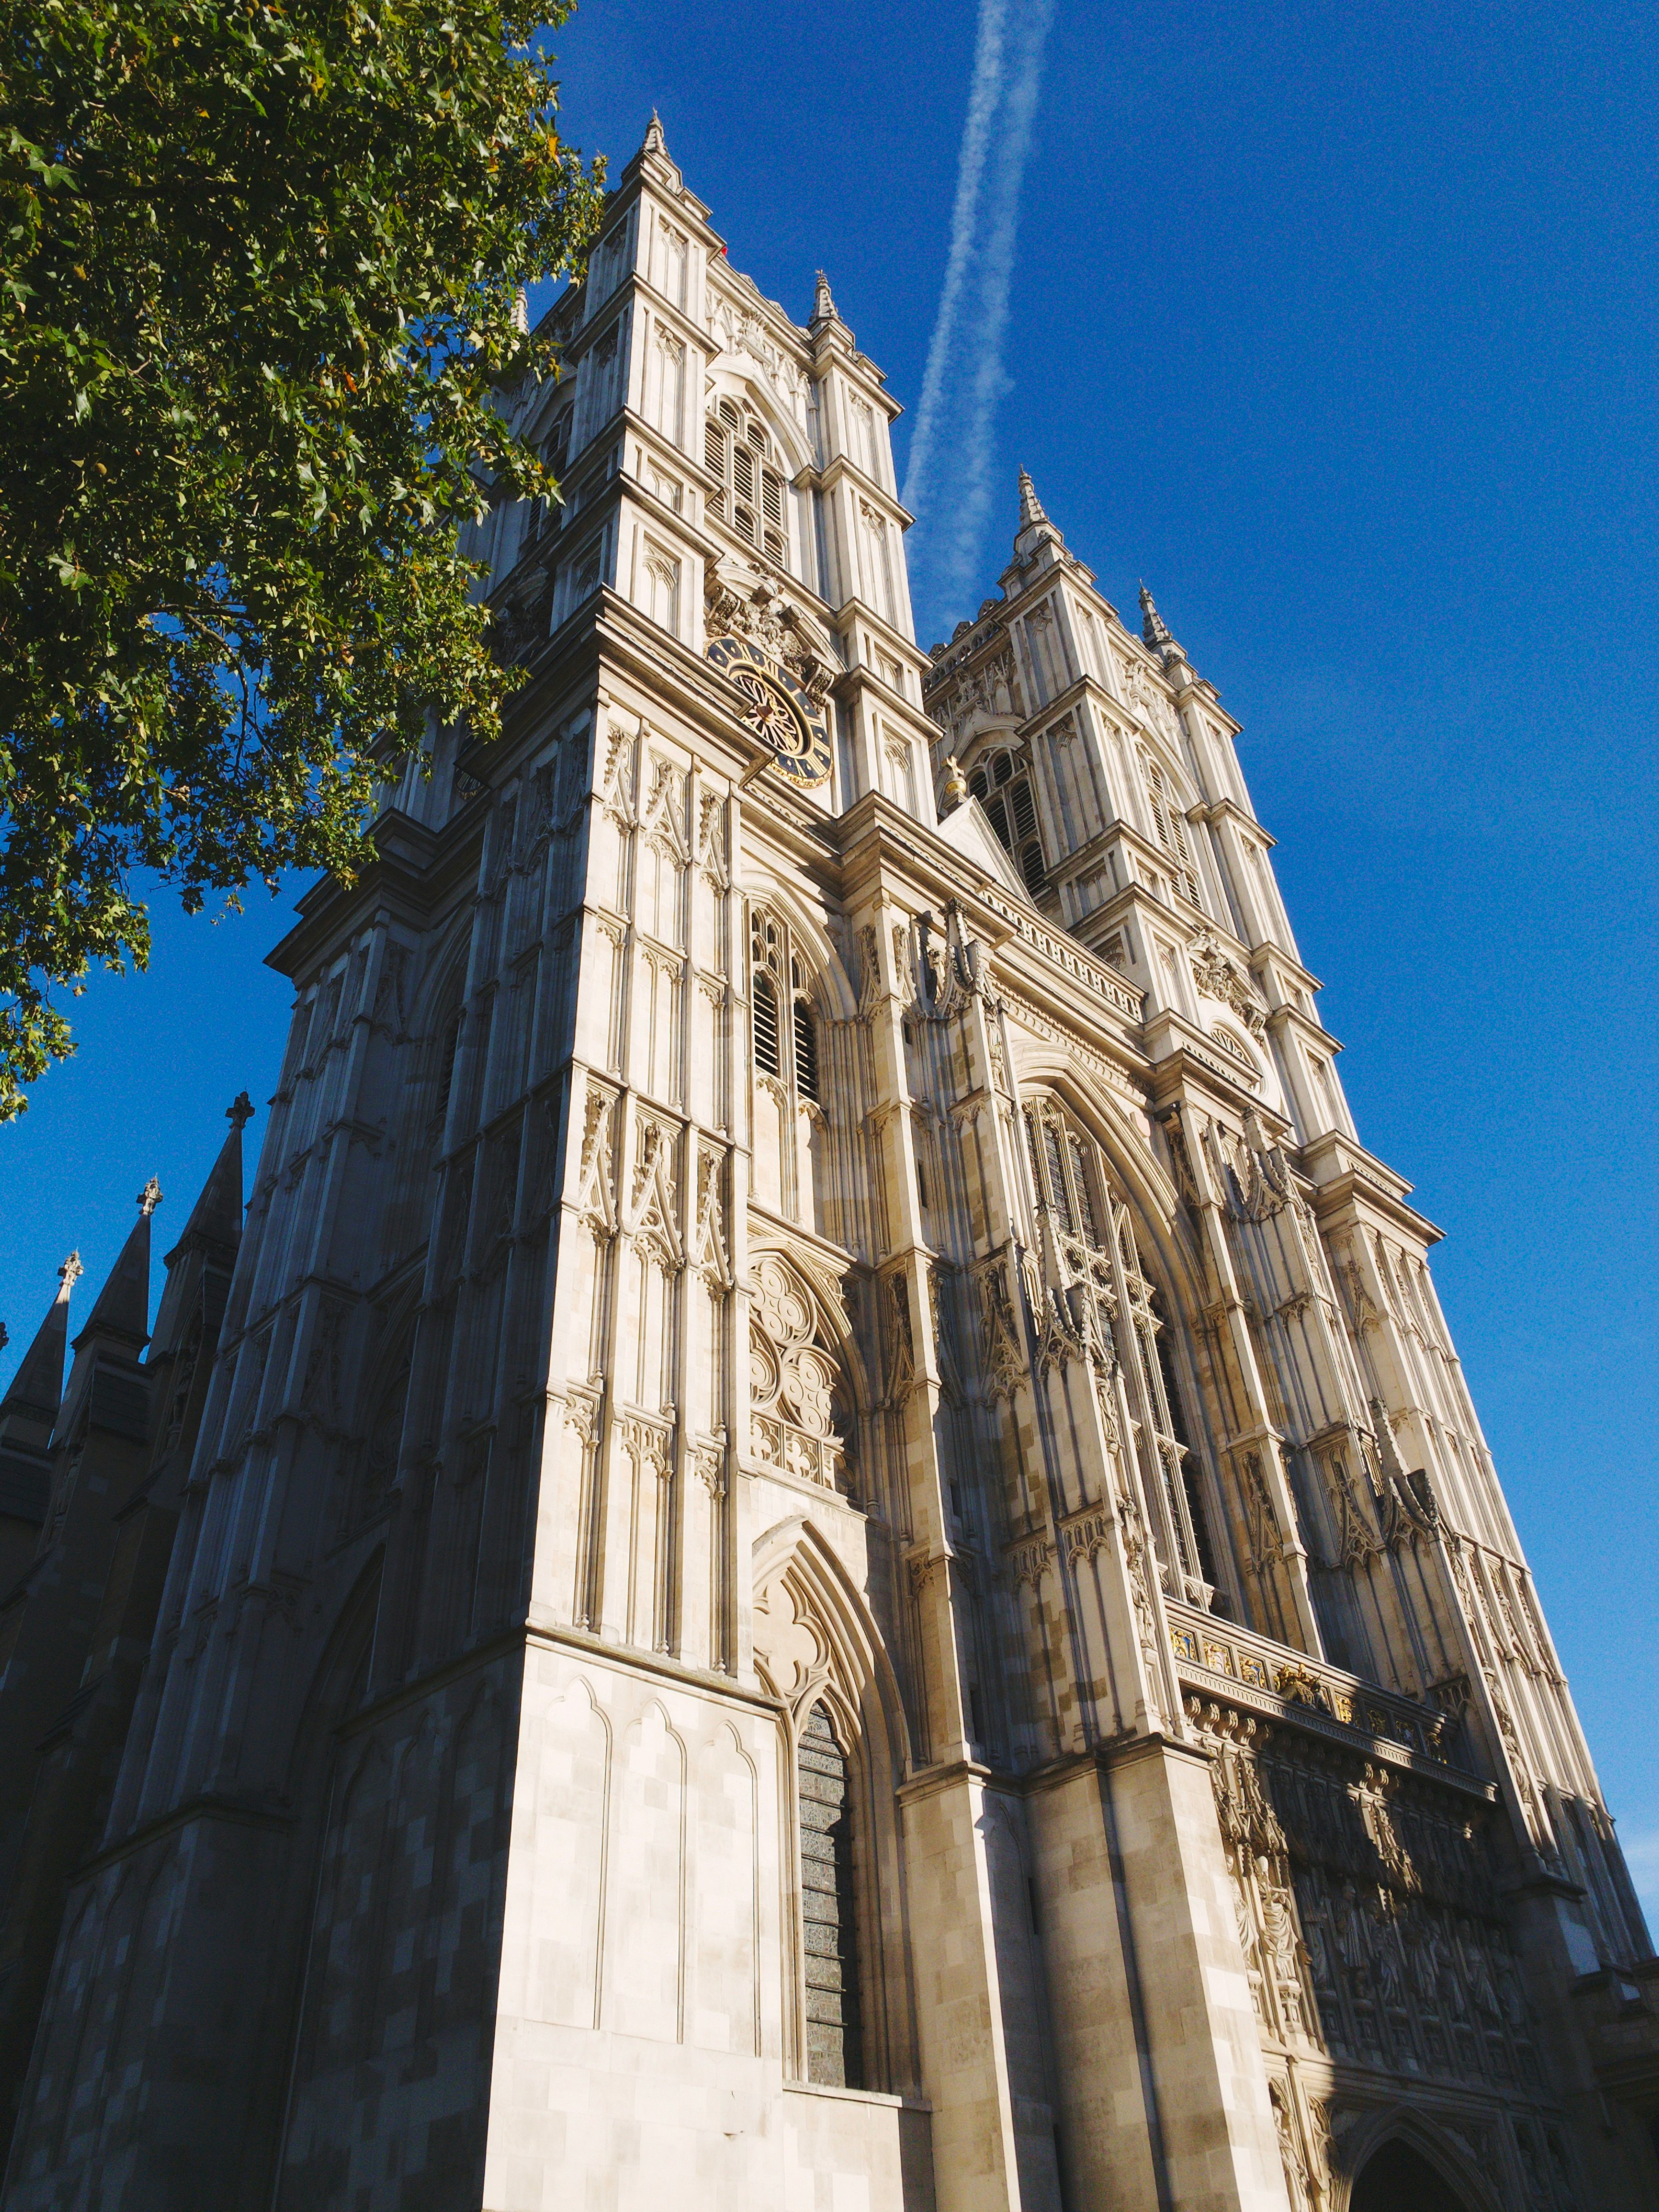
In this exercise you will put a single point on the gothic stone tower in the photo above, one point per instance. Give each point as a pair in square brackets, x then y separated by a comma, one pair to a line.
[837, 1555]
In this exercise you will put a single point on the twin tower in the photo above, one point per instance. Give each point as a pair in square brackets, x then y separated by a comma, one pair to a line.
[823, 1546]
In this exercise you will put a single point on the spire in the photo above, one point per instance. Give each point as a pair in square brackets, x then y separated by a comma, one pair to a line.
[38, 1385]
[1153, 627]
[216, 1216]
[1155, 632]
[123, 1305]
[823, 306]
[655, 141]
[1031, 507]
[207, 1243]
[1036, 531]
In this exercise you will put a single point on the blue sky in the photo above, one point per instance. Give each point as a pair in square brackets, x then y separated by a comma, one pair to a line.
[1338, 326]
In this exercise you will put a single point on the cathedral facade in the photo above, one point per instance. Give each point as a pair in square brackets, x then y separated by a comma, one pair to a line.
[830, 1551]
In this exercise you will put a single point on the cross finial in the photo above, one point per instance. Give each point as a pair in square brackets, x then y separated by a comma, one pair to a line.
[150, 1198]
[956, 784]
[71, 1273]
[240, 1112]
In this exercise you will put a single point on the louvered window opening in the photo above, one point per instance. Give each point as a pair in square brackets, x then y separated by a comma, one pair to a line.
[778, 982]
[768, 1055]
[806, 1051]
[737, 451]
[1170, 825]
[834, 2040]
[1012, 812]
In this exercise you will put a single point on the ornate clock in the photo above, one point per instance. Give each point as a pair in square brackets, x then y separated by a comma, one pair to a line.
[781, 712]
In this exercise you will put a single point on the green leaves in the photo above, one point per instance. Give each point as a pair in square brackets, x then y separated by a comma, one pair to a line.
[258, 268]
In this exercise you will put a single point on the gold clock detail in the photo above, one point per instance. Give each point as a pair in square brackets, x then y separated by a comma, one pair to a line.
[781, 712]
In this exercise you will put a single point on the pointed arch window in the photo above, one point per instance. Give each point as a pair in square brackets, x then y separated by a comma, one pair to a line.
[738, 452]
[834, 2027]
[1097, 1254]
[785, 1044]
[1003, 788]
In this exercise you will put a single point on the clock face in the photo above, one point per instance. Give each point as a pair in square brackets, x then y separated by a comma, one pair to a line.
[780, 712]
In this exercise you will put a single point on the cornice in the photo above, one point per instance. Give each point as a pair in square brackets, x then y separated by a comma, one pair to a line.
[841, 466]
[1212, 811]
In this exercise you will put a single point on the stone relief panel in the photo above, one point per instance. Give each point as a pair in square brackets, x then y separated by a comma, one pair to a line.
[1366, 1906]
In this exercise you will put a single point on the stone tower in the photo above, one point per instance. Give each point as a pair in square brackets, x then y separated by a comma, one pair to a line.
[837, 1554]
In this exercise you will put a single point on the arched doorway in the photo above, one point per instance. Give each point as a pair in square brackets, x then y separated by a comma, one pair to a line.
[1397, 2178]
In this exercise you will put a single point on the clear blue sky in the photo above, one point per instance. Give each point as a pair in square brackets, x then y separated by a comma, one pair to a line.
[1338, 326]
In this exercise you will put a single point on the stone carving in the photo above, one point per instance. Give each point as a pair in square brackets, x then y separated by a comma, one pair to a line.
[1002, 1355]
[1264, 1537]
[709, 1242]
[596, 1195]
[898, 1343]
[738, 329]
[793, 1378]
[1367, 1906]
[653, 1206]
[776, 626]
[1029, 1561]
[992, 688]
[1217, 977]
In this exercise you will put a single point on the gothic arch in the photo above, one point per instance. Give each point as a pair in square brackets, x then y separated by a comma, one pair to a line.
[734, 376]
[1161, 1227]
[816, 1644]
[1466, 2186]
[1154, 1309]
[830, 986]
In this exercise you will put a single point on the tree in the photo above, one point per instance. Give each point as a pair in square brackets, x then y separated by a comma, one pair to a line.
[259, 285]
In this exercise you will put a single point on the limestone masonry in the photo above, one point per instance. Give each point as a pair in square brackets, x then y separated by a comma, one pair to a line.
[820, 1547]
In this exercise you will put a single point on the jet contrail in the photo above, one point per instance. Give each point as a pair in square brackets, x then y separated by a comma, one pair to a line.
[984, 93]
[963, 381]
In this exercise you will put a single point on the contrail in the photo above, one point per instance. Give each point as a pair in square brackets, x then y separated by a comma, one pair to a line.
[983, 96]
[962, 382]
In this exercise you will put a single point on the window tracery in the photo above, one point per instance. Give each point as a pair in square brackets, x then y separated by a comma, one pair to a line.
[1111, 1301]
[1003, 788]
[739, 454]
[795, 1380]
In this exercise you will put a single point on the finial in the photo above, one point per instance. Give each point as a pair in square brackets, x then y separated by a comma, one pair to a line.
[1152, 626]
[240, 1112]
[150, 1198]
[70, 1273]
[522, 311]
[655, 143]
[956, 784]
[1031, 507]
[823, 306]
